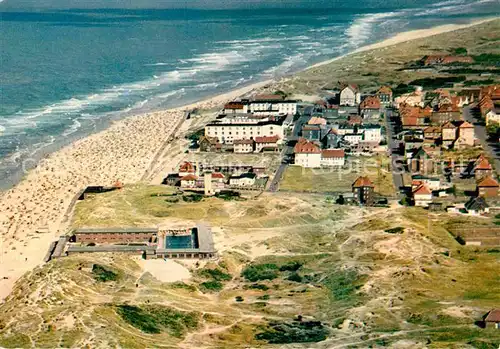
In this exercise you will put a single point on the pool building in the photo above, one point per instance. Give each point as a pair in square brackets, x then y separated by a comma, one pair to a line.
[177, 243]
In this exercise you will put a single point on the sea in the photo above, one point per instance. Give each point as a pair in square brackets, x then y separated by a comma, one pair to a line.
[65, 73]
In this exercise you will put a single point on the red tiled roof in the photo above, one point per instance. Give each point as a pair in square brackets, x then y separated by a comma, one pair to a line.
[303, 146]
[186, 167]
[448, 125]
[422, 189]
[465, 124]
[243, 141]
[370, 102]
[333, 153]
[267, 139]
[493, 316]
[355, 120]
[483, 164]
[234, 105]
[218, 175]
[385, 90]
[317, 121]
[189, 177]
[488, 182]
[447, 59]
[362, 182]
[448, 108]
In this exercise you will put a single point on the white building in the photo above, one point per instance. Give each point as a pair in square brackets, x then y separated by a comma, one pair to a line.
[333, 158]
[371, 133]
[307, 154]
[431, 183]
[271, 105]
[350, 96]
[353, 138]
[243, 180]
[493, 116]
[422, 196]
[228, 130]
[243, 145]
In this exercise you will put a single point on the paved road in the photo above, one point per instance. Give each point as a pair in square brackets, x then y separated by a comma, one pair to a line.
[480, 132]
[287, 151]
[397, 159]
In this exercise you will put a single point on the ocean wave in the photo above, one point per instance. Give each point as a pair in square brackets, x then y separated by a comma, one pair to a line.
[159, 64]
[362, 27]
[73, 128]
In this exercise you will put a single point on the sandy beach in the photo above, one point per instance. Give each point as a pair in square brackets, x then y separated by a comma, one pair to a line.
[37, 210]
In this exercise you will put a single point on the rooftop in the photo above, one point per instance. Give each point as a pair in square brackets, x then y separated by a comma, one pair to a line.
[362, 182]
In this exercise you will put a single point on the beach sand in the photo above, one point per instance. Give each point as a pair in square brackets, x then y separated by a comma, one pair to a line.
[38, 209]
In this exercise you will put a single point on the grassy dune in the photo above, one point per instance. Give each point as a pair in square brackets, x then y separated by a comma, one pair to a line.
[280, 257]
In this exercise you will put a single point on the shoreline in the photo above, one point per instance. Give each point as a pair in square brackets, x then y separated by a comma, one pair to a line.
[32, 212]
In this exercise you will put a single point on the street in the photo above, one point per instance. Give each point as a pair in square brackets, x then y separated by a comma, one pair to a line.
[397, 160]
[493, 148]
[287, 151]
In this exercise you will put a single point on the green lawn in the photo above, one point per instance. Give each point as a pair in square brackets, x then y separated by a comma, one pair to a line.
[340, 180]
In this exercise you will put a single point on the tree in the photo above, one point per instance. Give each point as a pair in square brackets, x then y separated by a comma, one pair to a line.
[493, 131]
[340, 200]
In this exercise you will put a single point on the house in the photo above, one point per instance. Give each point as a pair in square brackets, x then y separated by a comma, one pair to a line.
[307, 154]
[421, 161]
[413, 99]
[266, 143]
[445, 113]
[466, 134]
[363, 190]
[370, 108]
[243, 180]
[350, 96]
[384, 94]
[476, 206]
[189, 181]
[353, 138]
[492, 320]
[311, 132]
[243, 145]
[430, 182]
[333, 158]
[449, 134]
[209, 144]
[487, 187]
[445, 59]
[432, 133]
[331, 140]
[371, 133]
[422, 195]
[482, 168]
[186, 168]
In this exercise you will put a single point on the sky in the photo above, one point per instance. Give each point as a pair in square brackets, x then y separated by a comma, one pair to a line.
[199, 3]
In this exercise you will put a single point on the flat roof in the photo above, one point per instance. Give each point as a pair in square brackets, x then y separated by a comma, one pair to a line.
[115, 230]
[205, 240]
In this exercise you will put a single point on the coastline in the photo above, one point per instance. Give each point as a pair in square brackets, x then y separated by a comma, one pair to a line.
[33, 212]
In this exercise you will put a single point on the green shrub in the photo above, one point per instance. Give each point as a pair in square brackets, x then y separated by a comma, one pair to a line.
[258, 287]
[192, 198]
[296, 332]
[239, 299]
[158, 318]
[215, 274]
[257, 272]
[397, 230]
[291, 266]
[211, 286]
[342, 284]
[102, 274]
[294, 277]
[460, 51]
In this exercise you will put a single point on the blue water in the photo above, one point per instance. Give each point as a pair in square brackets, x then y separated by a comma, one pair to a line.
[65, 73]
